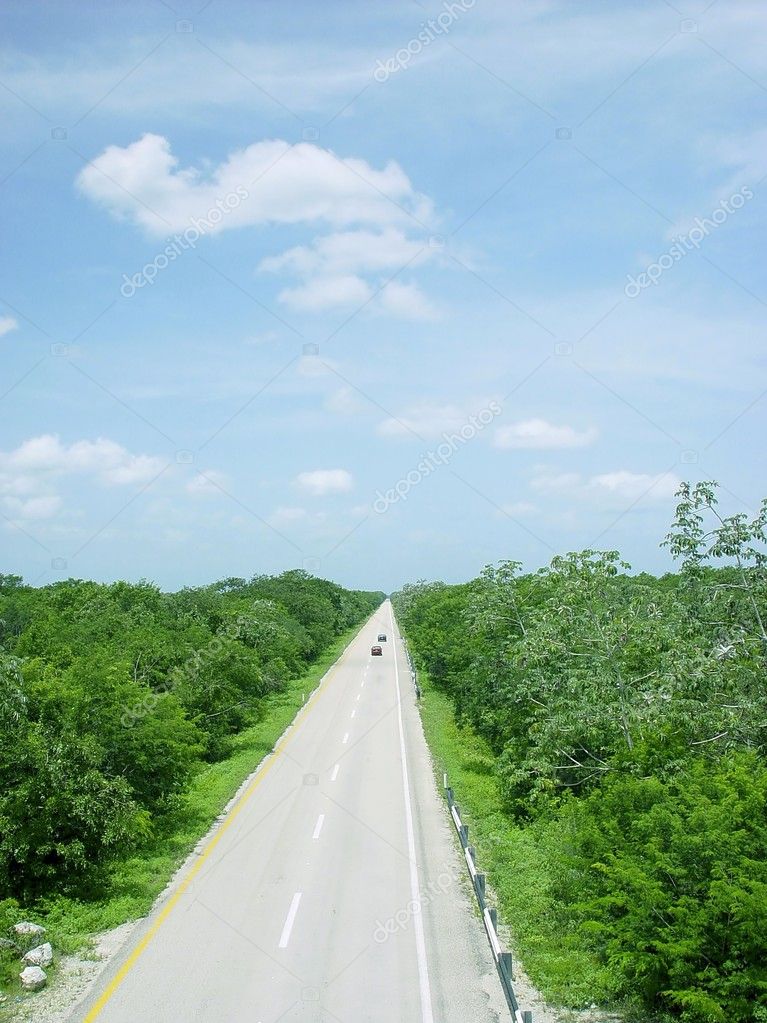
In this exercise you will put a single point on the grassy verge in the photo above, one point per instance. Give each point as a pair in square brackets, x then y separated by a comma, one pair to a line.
[519, 869]
[132, 885]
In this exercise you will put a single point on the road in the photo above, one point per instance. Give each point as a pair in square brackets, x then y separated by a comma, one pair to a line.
[333, 891]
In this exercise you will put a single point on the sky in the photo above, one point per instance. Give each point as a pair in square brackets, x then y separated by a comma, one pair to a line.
[381, 291]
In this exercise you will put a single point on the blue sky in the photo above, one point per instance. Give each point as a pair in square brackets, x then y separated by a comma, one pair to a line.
[384, 291]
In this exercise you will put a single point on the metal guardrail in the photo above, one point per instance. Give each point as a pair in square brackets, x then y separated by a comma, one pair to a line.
[503, 960]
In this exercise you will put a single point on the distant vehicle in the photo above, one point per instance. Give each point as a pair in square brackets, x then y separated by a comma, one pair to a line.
[381, 637]
[376, 651]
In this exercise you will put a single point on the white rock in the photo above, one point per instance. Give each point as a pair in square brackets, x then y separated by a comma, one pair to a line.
[33, 930]
[40, 956]
[33, 978]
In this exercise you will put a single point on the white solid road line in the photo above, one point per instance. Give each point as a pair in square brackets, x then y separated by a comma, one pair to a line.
[318, 826]
[334, 775]
[290, 920]
[415, 894]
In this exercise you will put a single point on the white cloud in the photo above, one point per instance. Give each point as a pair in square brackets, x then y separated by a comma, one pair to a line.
[327, 293]
[406, 301]
[621, 485]
[350, 252]
[303, 183]
[107, 460]
[274, 182]
[325, 481]
[206, 483]
[34, 509]
[540, 434]
[28, 473]
[332, 268]
[7, 324]
[633, 485]
[308, 77]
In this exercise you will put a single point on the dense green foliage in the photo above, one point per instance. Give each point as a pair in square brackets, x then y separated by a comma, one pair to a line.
[113, 696]
[627, 719]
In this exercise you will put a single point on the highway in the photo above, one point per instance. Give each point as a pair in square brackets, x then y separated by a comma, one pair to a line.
[334, 889]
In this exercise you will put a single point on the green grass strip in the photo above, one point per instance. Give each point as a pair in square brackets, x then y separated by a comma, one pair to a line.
[520, 872]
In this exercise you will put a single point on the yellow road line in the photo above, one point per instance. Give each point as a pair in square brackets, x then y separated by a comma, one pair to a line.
[138, 951]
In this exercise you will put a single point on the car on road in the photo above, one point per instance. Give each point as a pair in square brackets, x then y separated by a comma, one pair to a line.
[376, 651]
[381, 637]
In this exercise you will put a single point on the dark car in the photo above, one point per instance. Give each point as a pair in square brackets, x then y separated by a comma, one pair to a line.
[376, 651]
[381, 637]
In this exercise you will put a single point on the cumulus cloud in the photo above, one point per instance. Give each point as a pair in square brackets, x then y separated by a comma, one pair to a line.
[633, 485]
[276, 183]
[325, 481]
[7, 324]
[540, 434]
[28, 473]
[109, 461]
[347, 252]
[32, 509]
[332, 270]
[327, 293]
[406, 301]
[621, 485]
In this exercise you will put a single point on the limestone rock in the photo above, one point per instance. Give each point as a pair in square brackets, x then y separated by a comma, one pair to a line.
[40, 956]
[29, 930]
[33, 978]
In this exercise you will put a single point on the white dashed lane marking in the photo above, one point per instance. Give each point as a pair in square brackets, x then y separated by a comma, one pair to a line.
[290, 920]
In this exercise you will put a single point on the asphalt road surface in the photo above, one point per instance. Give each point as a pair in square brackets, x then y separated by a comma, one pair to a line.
[334, 890]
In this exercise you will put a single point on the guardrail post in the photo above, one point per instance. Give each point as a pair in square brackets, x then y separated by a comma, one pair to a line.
[506, 963]
[527, 1016]
[494, 917]
[481, 884]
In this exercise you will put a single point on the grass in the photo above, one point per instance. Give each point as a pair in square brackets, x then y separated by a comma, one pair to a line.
[131, 886]
[519, 870]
